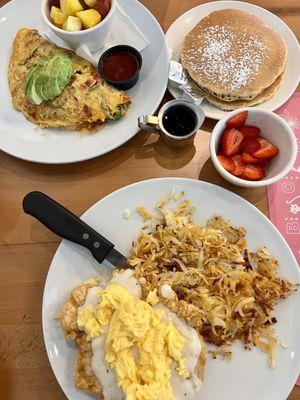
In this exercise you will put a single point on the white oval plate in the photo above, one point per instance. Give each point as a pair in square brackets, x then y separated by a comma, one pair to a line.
[23, 139]
[185, 23]
[247, 376]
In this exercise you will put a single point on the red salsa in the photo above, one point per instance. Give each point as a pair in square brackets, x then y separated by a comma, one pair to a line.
[120, 66]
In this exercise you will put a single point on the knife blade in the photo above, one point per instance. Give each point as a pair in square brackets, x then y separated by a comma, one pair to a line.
[68, 226]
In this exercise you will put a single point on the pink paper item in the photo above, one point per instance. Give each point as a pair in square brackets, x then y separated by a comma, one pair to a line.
[284, 195]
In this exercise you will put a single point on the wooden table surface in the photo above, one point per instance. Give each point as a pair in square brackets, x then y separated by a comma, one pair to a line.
[26, 248]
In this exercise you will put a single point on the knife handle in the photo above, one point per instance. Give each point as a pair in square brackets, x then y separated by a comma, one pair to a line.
[65, 224]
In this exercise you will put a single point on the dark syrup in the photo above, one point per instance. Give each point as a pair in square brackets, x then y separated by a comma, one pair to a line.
[179, 120]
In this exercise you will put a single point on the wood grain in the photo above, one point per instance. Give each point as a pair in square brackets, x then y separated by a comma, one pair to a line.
[26, 248]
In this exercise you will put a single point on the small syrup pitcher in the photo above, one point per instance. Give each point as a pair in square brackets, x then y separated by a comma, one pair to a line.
[177, 122]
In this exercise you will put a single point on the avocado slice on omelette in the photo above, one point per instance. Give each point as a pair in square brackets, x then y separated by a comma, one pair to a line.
[83, 102]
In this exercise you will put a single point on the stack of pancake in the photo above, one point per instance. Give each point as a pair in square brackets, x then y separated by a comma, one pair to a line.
[234, 58]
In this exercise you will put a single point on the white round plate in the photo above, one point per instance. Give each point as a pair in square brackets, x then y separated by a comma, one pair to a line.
[23, 139]
[247, 376]
[185, 23]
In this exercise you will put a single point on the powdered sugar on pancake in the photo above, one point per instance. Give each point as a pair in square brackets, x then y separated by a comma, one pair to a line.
[230, 58]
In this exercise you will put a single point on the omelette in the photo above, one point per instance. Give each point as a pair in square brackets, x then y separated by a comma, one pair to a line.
[82, 102]
[131, 347]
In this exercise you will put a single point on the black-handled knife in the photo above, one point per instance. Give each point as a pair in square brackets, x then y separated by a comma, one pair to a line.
[66, 225]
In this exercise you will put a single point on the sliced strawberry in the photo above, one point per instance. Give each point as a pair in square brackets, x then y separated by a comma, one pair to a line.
[263, 162]
[250, 131]
[103, 7]
[231, 141]
[226, 162]
[250, 144]
[237, 121]
[253, 172]
[239, 165]
[249, 159]
[266, 150]
[55, 3]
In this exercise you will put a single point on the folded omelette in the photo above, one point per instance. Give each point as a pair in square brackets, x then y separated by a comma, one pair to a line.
[85, 103]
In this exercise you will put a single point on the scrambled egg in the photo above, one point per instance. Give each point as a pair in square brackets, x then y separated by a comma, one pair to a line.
[140, 346]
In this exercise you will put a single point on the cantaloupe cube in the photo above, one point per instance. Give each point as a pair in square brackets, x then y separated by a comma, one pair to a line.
[70, 7]
[89, 18]
[72, 24]
[57, 15]
[90, 3]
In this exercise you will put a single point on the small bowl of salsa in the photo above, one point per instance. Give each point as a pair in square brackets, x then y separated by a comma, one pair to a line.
[120, 66]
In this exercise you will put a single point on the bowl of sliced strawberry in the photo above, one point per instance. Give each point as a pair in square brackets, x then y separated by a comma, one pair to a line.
[252, 147]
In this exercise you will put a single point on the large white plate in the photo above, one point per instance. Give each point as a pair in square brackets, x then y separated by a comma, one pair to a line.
[247, 375]
[22, 139]
[185, 23]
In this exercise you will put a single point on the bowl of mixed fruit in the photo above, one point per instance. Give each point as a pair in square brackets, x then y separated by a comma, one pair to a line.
[80, 22]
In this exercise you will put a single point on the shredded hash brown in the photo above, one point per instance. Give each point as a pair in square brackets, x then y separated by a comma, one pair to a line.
[221, 289]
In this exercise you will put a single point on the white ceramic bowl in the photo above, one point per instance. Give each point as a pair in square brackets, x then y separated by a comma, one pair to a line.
[274, 129]
[94, 37]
